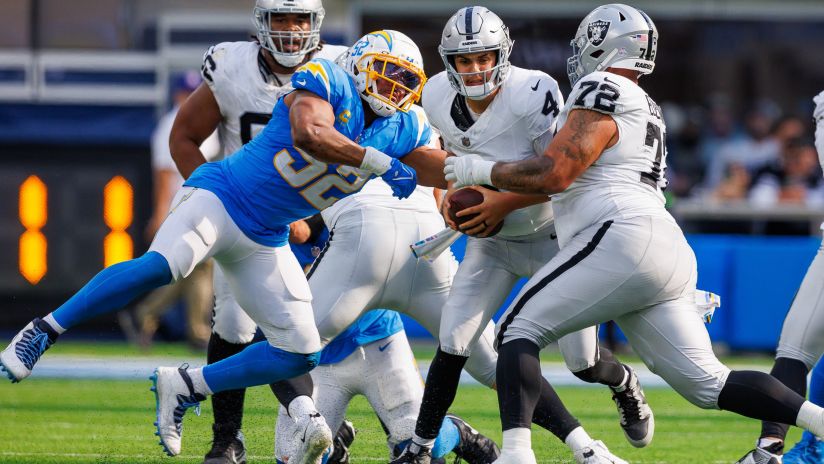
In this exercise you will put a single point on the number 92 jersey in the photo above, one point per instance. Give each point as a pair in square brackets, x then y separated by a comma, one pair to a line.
[627, 179]
[268, 183]
[244, 90]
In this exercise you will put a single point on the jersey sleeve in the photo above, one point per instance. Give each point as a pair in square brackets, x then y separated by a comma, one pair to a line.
[220, 63]
[543, 106]
[599, 92]
[321, 77]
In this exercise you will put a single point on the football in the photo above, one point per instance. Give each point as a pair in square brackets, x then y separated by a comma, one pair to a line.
[466, 198]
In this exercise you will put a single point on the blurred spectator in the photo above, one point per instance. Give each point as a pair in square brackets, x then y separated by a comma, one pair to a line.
[196, 290]
[795, 178]
[757, 148]
[685, 167]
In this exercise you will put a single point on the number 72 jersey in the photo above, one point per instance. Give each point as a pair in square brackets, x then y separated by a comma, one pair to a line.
[628, 178]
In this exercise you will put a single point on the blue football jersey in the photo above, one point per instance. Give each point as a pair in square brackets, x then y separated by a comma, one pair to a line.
[268, 183]
[372, 326]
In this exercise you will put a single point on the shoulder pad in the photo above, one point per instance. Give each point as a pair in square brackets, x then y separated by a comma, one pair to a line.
[330, 52]
[536, 93]
[317, 76]
[603, 92]
[224, 58]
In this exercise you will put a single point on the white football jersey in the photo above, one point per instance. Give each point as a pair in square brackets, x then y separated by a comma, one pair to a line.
[518, 124]
[626, 181]
[245, 93]
[377, 193]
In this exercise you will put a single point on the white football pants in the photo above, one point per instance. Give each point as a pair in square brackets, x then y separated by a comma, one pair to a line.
[640, 272]
[267, 281]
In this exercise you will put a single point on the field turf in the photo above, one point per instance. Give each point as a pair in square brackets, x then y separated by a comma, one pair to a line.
[93, 421]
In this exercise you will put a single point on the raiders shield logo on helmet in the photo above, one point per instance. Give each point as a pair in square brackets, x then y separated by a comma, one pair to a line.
[597, 31]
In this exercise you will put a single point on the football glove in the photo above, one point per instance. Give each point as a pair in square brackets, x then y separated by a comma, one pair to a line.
[468, 170]
[402, 179]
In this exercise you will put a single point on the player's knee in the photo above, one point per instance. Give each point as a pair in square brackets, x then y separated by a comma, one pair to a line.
[152, 267]
[293, 364]
[789, 352]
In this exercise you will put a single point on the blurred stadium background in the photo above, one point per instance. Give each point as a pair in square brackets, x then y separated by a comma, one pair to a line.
[82, 84]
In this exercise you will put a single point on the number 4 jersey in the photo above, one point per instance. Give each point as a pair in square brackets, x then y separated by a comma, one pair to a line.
[268, 183]
[626, 181]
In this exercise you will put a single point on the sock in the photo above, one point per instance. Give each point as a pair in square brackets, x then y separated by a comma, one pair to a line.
[227, 406]
[606, 371]
[760, 396]
[114, 287]
[421, 442]
[765, 443]
[301, 406]
[793, 374]
[441, 387]
[287, 390]
[811, 417]
[577, 439]
[198, 382]
[49, 319]
[448, 439]
[259, 364]
[551, 414]
[517, 439]
[518, 376]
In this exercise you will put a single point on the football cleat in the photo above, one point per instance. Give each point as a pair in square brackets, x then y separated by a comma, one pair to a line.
[596, 453]
[525, 456]
[227, 448]
[474, 448]
[315, 439]
[25, 349]
[636, 416]
[420, 455]
[174, 394]
[768, 455]
[343, 440]
[807, 451]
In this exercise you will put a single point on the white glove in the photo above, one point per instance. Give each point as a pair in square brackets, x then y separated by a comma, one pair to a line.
[818, 112]
[468, 170]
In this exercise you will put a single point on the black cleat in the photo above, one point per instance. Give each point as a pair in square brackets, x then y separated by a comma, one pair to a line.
[636, 416]
[340, 445]
[474, 448]
[228, 447]
[419, 456]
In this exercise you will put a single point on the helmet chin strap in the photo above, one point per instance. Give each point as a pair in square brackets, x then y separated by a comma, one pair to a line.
[603, 64]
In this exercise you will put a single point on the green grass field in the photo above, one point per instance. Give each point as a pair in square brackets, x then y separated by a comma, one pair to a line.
[94, 421]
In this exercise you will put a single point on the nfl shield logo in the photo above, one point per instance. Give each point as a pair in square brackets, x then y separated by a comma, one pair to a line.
[597, 31]
[465, 142]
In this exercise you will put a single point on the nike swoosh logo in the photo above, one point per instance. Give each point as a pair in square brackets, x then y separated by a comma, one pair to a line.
[606, 78]
[382, 348]
[303, 440]
[536, 86]
[303, 82]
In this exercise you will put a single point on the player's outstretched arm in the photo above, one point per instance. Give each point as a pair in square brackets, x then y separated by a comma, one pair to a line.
[428, 163]
[313, 130]
[198, 117]
[577, 145]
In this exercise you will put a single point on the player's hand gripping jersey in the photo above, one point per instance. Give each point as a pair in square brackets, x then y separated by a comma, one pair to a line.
[269, 183]
[628, 178]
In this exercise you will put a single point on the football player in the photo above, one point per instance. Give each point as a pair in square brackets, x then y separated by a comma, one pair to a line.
[623, 257]
[799, 348]
[238, 211]
[483, 105]
[242, 82]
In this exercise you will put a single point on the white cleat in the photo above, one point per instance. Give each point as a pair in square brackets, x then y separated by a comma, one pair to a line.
[25, 349]
[174, 394]
[525, 456]
[596, 453]
[760, 456]
[315, 438]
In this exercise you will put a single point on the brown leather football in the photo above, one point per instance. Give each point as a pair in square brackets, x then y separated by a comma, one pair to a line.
[466, 198]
